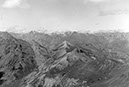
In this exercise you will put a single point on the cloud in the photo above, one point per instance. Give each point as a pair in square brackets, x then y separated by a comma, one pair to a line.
[99, 0]
[114, 12]
[96, 1]
[15, 3]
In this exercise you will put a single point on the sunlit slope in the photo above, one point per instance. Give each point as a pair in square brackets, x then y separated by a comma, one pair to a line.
[64, 60]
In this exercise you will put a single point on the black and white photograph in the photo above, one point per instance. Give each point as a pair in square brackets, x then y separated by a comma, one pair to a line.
[64, 43]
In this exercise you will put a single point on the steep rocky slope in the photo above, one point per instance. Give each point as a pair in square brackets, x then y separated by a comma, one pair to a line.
[16, 59]
[71, 60]
[80, 67]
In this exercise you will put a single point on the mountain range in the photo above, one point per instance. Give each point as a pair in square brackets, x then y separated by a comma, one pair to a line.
[64, 60]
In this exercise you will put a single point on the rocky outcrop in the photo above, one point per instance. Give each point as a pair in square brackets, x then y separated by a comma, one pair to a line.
[86, 61]
[17, 59]
[78, 67]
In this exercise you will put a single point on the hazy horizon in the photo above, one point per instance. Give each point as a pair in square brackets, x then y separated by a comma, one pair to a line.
[64, 15]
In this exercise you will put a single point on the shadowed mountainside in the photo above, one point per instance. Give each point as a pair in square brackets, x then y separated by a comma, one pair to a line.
[64, 60]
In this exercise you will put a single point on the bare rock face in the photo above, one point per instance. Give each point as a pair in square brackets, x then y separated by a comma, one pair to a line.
[65, 64]
[77, 69]
[17, 60]
[76, 66]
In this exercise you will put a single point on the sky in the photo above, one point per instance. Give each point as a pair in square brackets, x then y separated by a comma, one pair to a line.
[64, 15]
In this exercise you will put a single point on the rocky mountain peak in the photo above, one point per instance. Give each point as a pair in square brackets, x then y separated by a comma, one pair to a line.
[66, 46]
